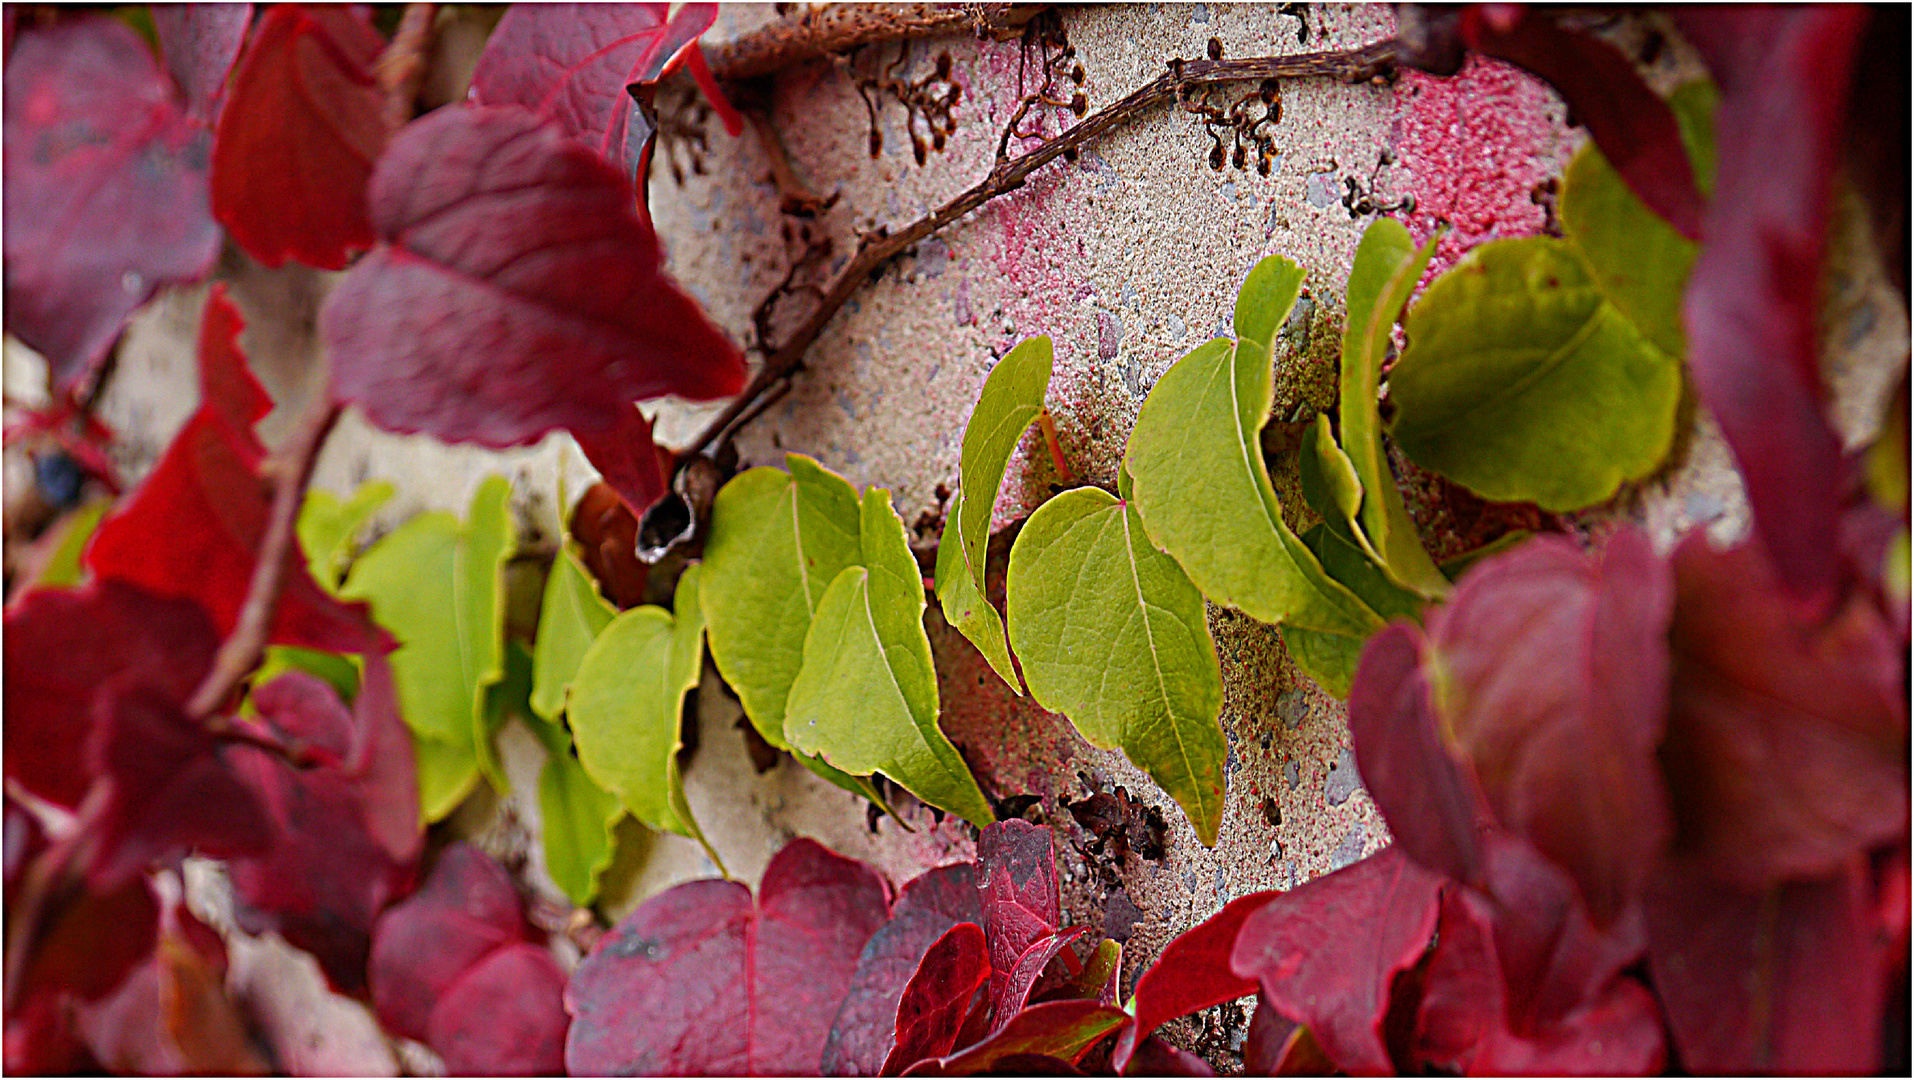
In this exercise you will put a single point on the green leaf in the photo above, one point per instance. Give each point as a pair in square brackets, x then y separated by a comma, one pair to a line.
[1112, 634]
[1329, 482]
[777, 541]
[570, 617]
[342, 672]
[327, 528]
[1011, 399]
[627, 707]
[865, 699]
[63, 568]
[1640, 262]
[435, 584]
[1385, 272]
[1329, 659]
[578, 824]
[1523, 384]
[1202, 490]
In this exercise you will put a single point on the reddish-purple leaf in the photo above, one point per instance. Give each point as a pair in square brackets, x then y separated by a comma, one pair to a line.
[1554, 686]
[700, 979]
[515, 291]
[303, 125]
[466, 909]
[505, 1017]
[1753, 298]
[1017, 881]
[207, 497]
[1327, 951]
[1023, 975]
[1787, 739]
[105, 193]
[570, 63]
[627, 459]
[927, 907]
[200, 43]
[1432, 803]
[1154, 1057]
[93, 942]
[1632, 125]
[300, 707]
[937, 998]
[1064, 1030]
[1193, 973]
[60, 645]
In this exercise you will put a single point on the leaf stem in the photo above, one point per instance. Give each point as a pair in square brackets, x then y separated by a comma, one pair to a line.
[818, 32]
[1354, 65]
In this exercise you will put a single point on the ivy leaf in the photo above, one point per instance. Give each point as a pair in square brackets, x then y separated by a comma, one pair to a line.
[701, 980]
[1193, 973]
[467, 908]
[627, 703]
[505, 1017]
[1327, 951]
[1008, 999]
[1011, 399]
[303, 124]
[1637, 259]
[1156, 689]
[935, 1002]
[1202, 490]
[436, 584]
[1062, 1030]
[578, 819]
[927, 907]
[570, 618]
[1386, 269]
[105, 195]
[514, 291]
[1522, 383]
[865, 698]
[328, 528]
[199, 44]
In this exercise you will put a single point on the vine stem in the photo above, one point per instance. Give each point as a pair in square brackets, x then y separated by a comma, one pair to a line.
[1009, 174]
[827, 31]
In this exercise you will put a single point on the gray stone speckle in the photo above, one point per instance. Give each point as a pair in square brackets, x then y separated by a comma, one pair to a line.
[1292, 707]
[1177, 327]
[1200, 15]
[1318, 191]
[1109, 335]
[1350, 849]
[1343, 779]
[1292, 774]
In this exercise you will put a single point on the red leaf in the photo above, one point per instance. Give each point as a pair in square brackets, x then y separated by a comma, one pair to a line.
[1787, 740]
[94, 941]
[1193, 973]
[1023, 975]
[1064, 1030]
[700, 979]
[1554, 686]
[515, 291]
[207, 497]
[200, 43]
[570, 63]
[1154, 1057]
[1327, 951]
[1791, 979]
[627, 459]
[937, 998]
[105, 193]
[505, 1017]
[1752, 301]
[927, 907]
[1632, 125]
[1433, 805]
[467, 909]
[1017, 881]
[60, 644]
[304, 124]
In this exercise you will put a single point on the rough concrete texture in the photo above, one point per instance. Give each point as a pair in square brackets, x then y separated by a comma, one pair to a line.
[1128, 258]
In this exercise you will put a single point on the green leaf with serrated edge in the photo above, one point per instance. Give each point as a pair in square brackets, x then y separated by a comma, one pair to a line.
[1637, 259]
[327, 527]
[578, 822]
[1201, 487]
[777, 541]
[1011, 399]
[627, 707]
[434, 583]
[570, 616]
[865, 699]
[1523, 384]
[1329, 659]
[1112, 634]
[1385, 271]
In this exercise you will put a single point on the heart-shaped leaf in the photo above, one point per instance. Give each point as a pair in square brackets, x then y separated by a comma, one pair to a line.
[937, 998]
[577, 819]
[1010, 401]
[303, 125]
[505, 1017]
[1085, 582]
[865, 698]
[467, 908]
[199, 44]
[570, 618]
[1524, 384]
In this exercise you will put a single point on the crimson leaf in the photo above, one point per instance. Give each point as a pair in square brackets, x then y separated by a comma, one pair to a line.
[93, 943]
[700, 979]
[1327, 951]
[105, 193]
[208, 498]
[172, 1017]
[466, 909]
[927, 907]
[1023, 975]
[627, 459]
[937, 999]
[200, 43]
[505, 1017]
[1017, 872]
[1754, 294]
[1193, 973]
[294, 147]
[1061, 1030]
[1787, 737]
